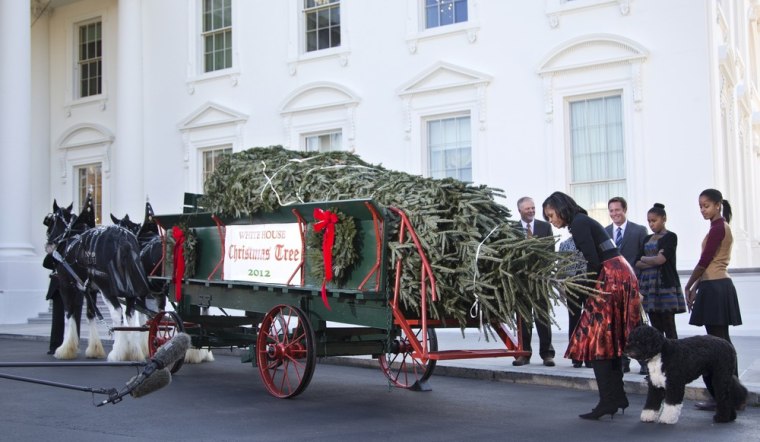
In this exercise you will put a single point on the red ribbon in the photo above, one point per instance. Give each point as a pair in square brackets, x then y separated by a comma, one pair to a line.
[326, 221]
[179, 261]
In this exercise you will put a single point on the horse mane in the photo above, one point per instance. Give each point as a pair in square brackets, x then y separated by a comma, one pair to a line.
[86, 218]
[149, 226]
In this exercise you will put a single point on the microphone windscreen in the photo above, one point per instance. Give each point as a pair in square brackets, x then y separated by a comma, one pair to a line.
[172, 351]
[156, 381]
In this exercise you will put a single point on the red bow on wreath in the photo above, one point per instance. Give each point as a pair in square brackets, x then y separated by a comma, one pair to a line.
[326, 221]
[179, 261]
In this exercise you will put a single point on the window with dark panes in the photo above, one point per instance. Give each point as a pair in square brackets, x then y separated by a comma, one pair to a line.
[90, 59]
[217, 35]
[322, 24]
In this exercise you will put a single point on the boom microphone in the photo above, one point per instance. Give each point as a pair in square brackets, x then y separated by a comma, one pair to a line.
[158, 380]
[166, 356]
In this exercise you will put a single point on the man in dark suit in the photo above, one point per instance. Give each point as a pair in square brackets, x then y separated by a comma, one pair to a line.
[537, 228]
[629, 238]
[627, 235]
[58, 323]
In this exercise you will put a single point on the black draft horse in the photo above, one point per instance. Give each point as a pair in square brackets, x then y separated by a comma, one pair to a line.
[151, 257]
[102, 258]
[151, 250]
[73, 308]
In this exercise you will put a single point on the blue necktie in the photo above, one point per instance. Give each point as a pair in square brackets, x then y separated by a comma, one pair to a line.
[619, 236]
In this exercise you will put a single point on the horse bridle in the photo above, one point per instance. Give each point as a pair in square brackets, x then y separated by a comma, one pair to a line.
[50, 221]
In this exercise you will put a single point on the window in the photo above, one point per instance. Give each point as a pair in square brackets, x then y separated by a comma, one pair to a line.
[449, 146]
[597, 152]
[322, 19]
[89, 179]
[324, 142]
[217, 35]
[444, 12]
[211, 158]
[90, 59]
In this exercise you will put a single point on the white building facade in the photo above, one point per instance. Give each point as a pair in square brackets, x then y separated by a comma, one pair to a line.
[647, 99]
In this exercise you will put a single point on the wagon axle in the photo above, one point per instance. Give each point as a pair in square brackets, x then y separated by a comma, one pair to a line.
[281, 351]
[400, 346]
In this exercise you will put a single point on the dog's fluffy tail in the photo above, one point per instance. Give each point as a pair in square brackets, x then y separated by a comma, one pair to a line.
[739, 394]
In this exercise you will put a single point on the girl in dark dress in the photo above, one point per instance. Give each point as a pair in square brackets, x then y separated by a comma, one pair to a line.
[608, 317]
[658, 280]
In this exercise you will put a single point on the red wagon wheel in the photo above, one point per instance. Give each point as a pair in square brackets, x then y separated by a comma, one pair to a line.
[401, 368]
[286, 351]
[163, 327]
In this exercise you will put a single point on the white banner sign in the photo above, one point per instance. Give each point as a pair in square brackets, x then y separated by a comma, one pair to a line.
[268, 253]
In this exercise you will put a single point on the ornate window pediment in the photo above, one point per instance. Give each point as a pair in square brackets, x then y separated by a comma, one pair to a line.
[84, 143]
[211, 126]
[83, 135]
[211, 114]
[319, 107]
[318, 96]
[590, 51]
[598, 53]
[443, 76]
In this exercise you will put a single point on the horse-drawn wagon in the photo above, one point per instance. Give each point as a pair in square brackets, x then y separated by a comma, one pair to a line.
[288, 311]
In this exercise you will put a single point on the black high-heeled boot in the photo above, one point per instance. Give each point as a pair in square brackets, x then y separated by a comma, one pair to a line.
[623, 404]
[608, 400]
[617, 385]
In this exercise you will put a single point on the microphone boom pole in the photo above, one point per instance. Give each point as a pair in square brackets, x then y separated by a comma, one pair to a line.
[108, 391]
[166, 356]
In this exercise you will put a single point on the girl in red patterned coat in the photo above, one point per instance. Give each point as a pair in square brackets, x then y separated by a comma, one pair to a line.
[607, 318]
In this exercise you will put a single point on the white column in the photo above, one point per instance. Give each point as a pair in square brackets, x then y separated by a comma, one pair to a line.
[128, 195]
[15, 129]
[23, 280]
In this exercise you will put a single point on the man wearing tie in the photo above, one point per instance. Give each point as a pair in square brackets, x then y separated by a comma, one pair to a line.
[629, 238]
[537, 228]
[627, 235]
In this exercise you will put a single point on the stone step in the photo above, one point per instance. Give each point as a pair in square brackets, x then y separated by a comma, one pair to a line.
[47, 317]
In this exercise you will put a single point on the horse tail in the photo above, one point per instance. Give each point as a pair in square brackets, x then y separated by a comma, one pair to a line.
[134, 283]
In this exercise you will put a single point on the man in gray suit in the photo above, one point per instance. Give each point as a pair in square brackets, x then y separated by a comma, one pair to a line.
[534, 227]
[629, 238]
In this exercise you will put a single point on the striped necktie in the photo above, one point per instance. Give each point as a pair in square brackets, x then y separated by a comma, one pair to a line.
[528, 231]
[619, 236]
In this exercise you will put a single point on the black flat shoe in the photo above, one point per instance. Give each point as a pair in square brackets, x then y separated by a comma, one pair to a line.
[51, 352]
[577, 364]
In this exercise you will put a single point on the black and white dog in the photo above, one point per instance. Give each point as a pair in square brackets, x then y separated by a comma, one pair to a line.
[673, 363]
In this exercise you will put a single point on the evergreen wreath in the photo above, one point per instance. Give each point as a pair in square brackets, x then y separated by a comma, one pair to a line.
[345, 251]
[190, 249]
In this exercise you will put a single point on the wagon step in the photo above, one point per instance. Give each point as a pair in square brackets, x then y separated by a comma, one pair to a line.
[474, 354]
